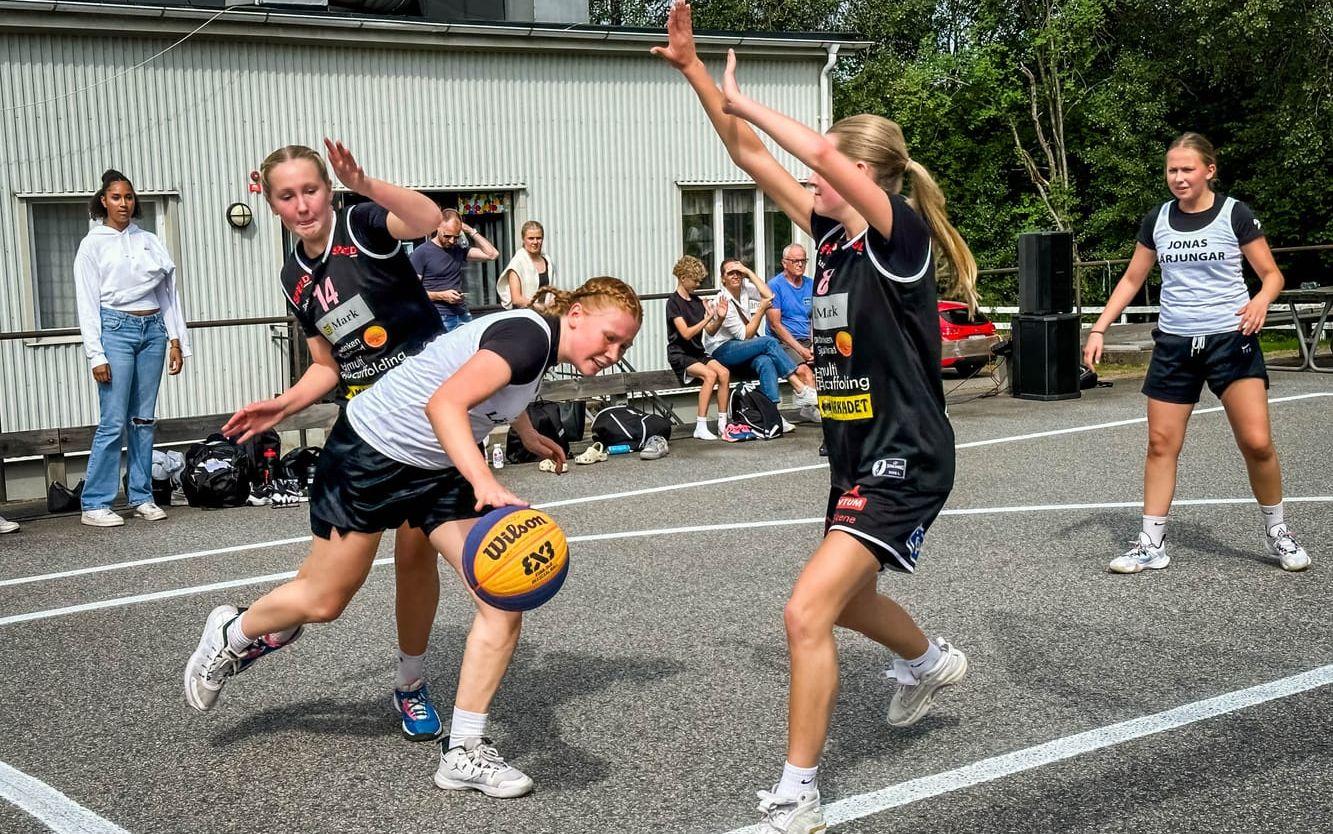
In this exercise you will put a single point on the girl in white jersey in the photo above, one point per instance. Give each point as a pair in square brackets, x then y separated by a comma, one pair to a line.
[407, 451]
[877, 357]
[1208, 331]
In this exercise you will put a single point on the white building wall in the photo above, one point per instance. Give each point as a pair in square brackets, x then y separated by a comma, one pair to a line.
[598, 142]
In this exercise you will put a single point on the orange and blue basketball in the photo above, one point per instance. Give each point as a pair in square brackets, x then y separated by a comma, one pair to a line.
[515, 558]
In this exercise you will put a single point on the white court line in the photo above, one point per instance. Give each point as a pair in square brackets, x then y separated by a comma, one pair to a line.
[23, 580]
[998, 767]
[118, 602]
[51, 807]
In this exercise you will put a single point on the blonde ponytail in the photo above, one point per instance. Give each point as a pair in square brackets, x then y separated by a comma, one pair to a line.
[962, 266]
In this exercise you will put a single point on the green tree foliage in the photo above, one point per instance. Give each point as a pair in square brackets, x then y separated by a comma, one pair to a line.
[1038, 114]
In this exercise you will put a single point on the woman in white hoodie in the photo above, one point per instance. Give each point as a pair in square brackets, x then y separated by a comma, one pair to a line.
[131, 321]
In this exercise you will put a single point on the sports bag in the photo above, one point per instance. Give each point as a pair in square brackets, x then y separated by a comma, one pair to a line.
[299, 465]
[623, 424]
[217, 473]
[547, 420]
[751, 408]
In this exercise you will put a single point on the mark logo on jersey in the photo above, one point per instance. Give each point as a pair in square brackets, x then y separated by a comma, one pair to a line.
[343, 251]
[345, 319]
[890, 468]
[302, 284]
[846, 409]
[375, 336]
[843, 342]
[830, 312]
[852, 500]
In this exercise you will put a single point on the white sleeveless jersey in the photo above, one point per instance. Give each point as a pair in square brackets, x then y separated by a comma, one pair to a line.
[1202, 280]
[391, 414]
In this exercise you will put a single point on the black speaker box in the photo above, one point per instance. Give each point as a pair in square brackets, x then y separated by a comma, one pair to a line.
[1045, 358]
[1045, 273]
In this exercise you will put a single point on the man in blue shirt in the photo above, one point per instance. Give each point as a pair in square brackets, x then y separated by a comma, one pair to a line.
[439, 264]
[789, 317]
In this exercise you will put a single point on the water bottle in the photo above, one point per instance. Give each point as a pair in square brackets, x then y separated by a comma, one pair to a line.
[619, 449]
[498, 456]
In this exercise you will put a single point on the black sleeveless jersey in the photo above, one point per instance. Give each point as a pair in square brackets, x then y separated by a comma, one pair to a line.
[363, 296]
[876, 339]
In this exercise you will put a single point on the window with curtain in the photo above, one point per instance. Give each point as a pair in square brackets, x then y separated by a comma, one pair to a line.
[697, 225]
[738, 224]
[57, 227]
[778, 234]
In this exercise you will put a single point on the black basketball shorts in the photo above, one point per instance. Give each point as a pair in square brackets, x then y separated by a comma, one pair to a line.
[357, 489]
[891, 524]
[1182, 364]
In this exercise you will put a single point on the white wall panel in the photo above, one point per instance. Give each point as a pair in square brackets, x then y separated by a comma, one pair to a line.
[599, 142]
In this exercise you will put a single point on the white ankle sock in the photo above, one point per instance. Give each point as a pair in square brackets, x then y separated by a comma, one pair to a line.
[466, 725]
[927, 661]
[237, 640]
[1272, 515]
[410, 668]
[1154, 527]
[797, 780]
[701, 422]
[722, 419]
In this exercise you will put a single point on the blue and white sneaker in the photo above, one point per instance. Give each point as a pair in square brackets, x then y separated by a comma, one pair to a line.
[420, 720]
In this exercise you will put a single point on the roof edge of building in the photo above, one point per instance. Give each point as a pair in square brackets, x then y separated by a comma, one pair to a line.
[282, 25]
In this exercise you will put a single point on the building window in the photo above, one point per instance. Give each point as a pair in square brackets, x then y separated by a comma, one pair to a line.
[57, 227]
[740, 218]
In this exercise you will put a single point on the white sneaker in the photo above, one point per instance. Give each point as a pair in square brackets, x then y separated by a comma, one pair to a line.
[915, 693]
[787, 426]
[101, 518]
[791, 816]
[810, 413]
[7, 526]
[149, 511]
[212, 662]
[1282, 544]
[477, 765]
[654, 448]
[701, 432]
[1142, 555]
[807, 396]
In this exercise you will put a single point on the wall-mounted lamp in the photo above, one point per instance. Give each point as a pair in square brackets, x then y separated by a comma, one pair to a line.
[239, 215]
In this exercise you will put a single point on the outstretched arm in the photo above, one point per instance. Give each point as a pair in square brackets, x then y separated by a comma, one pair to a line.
[411, 213]
[743, 144]
[846, 177]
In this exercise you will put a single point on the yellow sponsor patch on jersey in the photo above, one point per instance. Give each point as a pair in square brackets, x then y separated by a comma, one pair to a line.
[856, 407]
[353, 390]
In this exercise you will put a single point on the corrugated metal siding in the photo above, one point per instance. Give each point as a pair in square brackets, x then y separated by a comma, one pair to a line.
[599, 142]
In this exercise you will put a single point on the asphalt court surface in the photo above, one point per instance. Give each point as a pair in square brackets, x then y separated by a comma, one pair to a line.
[650, 695]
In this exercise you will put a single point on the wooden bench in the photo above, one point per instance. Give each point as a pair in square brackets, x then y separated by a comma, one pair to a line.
[53, 444]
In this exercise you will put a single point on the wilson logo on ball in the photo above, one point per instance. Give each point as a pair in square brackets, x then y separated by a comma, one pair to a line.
[500, 541]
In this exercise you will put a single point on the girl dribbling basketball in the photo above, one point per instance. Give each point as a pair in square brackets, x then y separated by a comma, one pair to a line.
[407, 451]
[877, 364]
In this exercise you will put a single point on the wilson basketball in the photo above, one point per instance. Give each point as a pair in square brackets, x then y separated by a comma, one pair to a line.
[515, 558]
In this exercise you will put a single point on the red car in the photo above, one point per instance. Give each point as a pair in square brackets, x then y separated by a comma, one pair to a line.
[967, 340]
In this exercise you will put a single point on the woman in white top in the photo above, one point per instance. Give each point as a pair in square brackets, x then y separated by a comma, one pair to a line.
[131, 321]
[735, 340]
[528, 272]
[1207, 331]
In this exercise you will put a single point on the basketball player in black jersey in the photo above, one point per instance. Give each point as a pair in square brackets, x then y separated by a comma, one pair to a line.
[363, 310]
[877, 363]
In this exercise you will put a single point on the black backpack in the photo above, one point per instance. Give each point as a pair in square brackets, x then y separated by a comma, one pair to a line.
[217, 473]
[548, 421]
[622, 424]
[750, 407]
[265, 452]
[299, 465]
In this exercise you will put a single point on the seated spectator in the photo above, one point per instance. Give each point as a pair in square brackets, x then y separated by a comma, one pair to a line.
[528, 271]
[687, 317]
[789, 318]
[736, 342]
[439, 264]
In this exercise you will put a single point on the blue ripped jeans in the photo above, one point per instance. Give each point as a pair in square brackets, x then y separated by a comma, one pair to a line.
[765, 355]
[136, 349]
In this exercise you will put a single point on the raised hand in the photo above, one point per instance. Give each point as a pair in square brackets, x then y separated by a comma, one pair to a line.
[345, 166]
[732, 97]
[721, 306]
[679, 51]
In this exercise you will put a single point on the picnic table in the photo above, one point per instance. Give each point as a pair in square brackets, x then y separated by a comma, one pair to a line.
[1308, 340]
